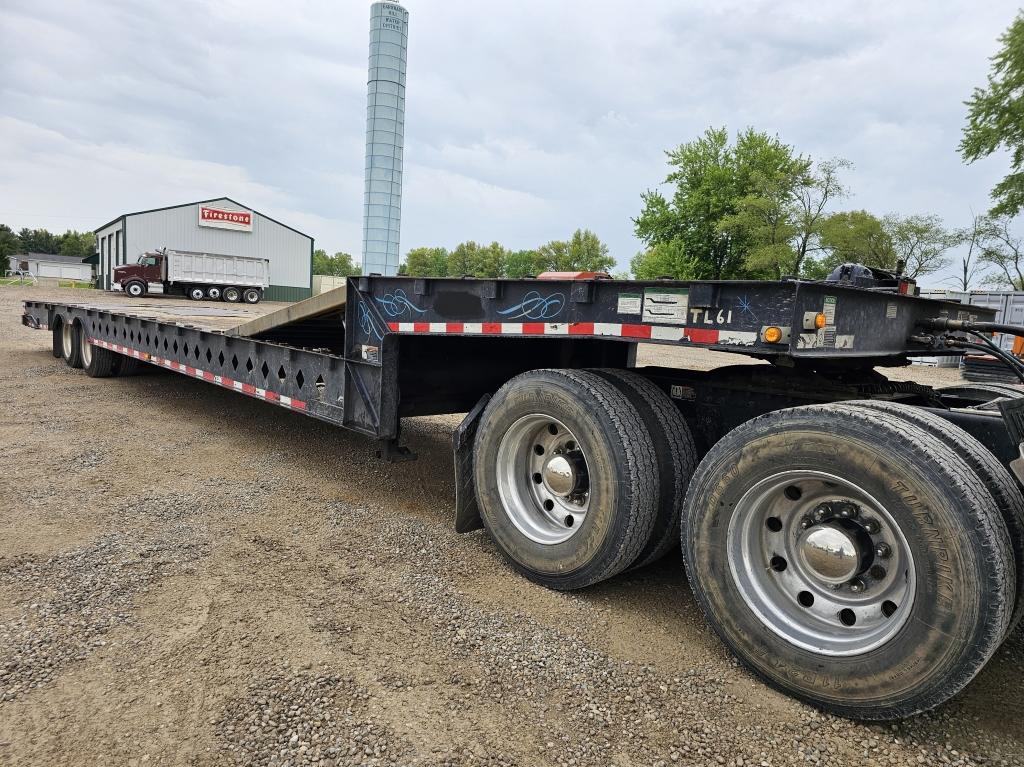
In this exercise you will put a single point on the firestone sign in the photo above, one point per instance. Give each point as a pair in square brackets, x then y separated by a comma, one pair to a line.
[220, 218]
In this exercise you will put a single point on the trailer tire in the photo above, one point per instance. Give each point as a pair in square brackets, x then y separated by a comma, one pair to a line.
[126, 365]
[55, 335]
[677, 457]
[135, 289]
[950, 558]
[71, 346]
[96, 361]
[196, 293]
[1000, 483]
[252, 295]
[213, 293]
[585, 510]
[232, 295]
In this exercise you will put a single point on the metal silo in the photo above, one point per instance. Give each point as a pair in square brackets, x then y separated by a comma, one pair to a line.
[385, 135]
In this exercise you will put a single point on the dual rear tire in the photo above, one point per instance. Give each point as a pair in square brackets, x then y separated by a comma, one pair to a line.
[849, 556]
[575, 473]
[864, 557]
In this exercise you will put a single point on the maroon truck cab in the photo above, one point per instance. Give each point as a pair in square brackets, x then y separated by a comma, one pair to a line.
[136, 279]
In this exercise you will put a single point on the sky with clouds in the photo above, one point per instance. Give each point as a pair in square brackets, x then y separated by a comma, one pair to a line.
[524, 120]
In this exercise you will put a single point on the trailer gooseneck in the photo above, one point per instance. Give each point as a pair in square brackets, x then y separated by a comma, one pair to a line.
[856, 542]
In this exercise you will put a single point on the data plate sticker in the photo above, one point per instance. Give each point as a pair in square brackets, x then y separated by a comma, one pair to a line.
[630, 303]
[891, 310]
[663, 305]
[829, 310]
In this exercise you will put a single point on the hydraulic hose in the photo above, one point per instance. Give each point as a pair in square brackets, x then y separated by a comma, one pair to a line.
[1007, 359]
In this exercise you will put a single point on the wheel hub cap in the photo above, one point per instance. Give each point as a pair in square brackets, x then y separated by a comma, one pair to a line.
[559, 475]
[830, 553]
[821, 562]
[543, 479]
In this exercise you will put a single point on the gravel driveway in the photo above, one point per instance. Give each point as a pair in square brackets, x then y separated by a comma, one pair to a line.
[192, 577]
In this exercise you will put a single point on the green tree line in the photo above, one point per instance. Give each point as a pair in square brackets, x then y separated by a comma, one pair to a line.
[582, 252]
[754, 208]
[25, 240]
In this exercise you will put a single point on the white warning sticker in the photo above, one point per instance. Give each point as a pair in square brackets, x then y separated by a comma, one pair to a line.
[663, 305]
[630, 303]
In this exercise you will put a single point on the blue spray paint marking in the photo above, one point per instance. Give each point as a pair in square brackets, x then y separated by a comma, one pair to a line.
[745, 307]
[536, 307]
[367, 323]
[396, 304]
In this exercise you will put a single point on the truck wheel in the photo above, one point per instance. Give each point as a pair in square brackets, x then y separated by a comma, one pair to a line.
[566, 477]
[677, 457]
[97, 361]
[135, 289]
[196, 293]
[1002, 486]
[849, 558]
[251, 296]
[213, 293]
[70, 345]
[232, 295]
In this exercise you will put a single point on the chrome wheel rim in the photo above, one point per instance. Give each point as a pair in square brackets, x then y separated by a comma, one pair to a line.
[821, 563]
[135, 289]
[214, 293]
[543, 479]
[67, 340]
[86, 348]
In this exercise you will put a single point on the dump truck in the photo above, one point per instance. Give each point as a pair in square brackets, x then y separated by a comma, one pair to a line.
[215, 276]
[857, 542]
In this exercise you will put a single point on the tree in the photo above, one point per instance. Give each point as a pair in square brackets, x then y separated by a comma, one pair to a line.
[587, 253]
[77, 244]
[994, 119]
[474, 260]
[854, 236]
[973, 238]
[426, 262]
[37, 241]
[8, 244]
[523, 263]
[339, 265]
[920, 242]
[665, 259]
[730, 204]
[813, 197]
[1005, 251]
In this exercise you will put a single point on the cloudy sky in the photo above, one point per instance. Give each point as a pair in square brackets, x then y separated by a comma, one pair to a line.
[525, 119]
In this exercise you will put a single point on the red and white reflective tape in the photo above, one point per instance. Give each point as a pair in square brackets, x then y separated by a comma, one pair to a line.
[615, 329]
[205, 375]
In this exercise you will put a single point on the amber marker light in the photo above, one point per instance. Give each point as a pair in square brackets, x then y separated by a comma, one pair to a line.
[772, 335]
[820, 320]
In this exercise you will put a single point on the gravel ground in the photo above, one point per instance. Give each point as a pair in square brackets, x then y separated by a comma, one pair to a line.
[192, 577]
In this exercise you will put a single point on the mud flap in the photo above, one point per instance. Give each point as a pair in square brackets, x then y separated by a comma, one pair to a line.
[467, 513]
[1012, 411]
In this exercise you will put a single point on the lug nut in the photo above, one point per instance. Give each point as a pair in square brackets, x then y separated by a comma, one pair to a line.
[822, 512]
[857, 586]
[848, 510]
[871, 526]
[806, 522]
[882, 550]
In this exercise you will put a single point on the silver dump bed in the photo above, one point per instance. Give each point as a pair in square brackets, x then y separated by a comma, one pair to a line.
[217, 269]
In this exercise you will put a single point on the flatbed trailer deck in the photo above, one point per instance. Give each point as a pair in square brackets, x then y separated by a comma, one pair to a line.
[862, 490]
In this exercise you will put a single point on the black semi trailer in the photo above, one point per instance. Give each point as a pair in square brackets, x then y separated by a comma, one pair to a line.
[857, 542]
